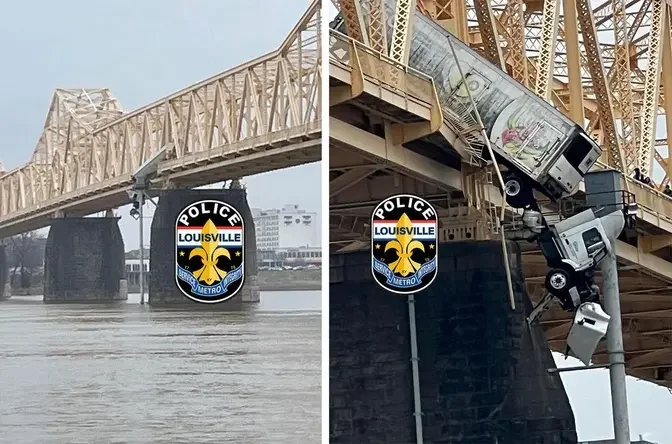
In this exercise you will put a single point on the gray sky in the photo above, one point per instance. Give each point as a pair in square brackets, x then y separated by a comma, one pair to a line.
[142, 51]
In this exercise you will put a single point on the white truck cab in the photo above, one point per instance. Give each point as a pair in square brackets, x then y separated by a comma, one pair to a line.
[575, 246]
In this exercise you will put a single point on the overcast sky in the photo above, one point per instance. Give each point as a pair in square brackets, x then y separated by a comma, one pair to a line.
[142, 51]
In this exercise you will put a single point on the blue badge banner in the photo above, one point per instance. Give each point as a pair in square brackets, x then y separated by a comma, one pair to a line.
[404, 282]
[209, 291]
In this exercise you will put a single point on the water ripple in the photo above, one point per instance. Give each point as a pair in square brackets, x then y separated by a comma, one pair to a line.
[129, 374]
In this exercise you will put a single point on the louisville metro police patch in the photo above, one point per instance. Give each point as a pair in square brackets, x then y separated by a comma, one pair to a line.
[210, 251]
[404, 233]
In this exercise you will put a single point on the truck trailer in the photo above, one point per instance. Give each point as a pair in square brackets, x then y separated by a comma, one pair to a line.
[538, 146]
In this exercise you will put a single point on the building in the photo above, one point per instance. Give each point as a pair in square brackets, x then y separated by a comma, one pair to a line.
[287, 236]
[298, 256]
[133, 272]
[288, 227]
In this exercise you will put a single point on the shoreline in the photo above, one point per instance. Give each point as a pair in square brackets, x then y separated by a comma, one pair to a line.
[294, 280]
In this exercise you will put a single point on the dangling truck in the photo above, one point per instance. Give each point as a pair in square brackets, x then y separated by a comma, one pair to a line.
[538, 147]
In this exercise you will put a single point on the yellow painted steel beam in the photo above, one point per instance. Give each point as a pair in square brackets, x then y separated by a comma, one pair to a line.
[516, 53]
[377, 26]
[403, 29]
[573, 62]
[351, 10]
[666, 38]
[546, 61]
[659, 22]
[614, 154]
[622, 90]
[486, 23]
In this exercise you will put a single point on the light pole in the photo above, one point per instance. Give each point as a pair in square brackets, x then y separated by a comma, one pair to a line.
[137, 212]
[612, 305]
[141, 178]
[614, 224]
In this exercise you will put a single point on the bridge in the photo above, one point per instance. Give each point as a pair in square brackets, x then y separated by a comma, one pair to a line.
[260, 116]
[387, 126]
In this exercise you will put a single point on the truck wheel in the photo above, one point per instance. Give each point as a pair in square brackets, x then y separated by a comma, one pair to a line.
[558, 282]
[517, 194]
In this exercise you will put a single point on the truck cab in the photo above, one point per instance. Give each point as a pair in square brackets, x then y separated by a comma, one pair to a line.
[573, 248]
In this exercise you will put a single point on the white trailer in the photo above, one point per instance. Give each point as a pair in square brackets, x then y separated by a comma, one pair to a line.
[539, 147]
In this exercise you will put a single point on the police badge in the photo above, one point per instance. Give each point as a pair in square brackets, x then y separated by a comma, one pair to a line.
[404, 233]
[210, 251]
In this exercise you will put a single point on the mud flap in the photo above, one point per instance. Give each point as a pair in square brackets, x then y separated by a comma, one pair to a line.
[588, 328]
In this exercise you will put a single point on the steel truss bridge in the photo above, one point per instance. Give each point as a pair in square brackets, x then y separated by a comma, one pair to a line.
[607, 66]
[257, 117]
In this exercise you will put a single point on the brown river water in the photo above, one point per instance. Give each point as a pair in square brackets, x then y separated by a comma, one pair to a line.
[126, 373]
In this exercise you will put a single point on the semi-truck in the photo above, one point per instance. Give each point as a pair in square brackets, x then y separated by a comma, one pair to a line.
[538, 146]
[540, 149]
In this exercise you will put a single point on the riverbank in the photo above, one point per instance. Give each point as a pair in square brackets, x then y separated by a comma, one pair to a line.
[289, 280]
[292, 280]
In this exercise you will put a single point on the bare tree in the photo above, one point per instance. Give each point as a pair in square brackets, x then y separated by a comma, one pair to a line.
[25, 256]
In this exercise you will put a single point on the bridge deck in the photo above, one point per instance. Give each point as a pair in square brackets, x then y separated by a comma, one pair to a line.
[367, 163]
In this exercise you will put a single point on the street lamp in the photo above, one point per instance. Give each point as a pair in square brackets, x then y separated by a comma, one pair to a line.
[137, 194]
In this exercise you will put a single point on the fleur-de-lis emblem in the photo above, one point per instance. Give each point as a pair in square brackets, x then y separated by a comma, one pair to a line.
[209, 252]
[404, 245]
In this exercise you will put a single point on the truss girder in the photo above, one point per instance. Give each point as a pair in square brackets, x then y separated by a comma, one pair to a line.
[622, 90]
[546, 60]
[403, 27]
[604, 105]
[351, 10]
[652, 87]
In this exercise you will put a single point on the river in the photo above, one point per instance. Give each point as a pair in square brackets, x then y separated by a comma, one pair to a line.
[127, 373]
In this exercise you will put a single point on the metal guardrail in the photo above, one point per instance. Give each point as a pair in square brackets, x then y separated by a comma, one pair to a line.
[649, 200]
[379, 68]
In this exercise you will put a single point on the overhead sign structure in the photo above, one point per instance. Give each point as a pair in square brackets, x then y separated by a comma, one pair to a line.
[404, 234]
[210, 251]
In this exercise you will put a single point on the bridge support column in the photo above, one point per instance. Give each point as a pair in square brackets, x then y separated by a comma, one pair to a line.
[84, 260]
[5, 287]
[482, 370]
[162, 286]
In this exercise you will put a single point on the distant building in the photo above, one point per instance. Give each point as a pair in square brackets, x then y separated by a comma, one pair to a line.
[287, 236]
[290, 257]
[288, 227]
[133, 271]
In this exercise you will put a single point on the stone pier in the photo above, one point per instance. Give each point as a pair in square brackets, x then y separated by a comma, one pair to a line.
[162, 287]
[4, 274]
[483, 370]
[84, 260]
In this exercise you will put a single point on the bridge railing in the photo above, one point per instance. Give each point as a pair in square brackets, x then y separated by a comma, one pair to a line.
[654, 206]
[379, 68]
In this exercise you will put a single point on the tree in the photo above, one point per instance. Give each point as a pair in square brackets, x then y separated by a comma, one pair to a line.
[25, 255]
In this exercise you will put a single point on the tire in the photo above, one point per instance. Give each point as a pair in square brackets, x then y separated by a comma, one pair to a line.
[558, 282]
[518, 195]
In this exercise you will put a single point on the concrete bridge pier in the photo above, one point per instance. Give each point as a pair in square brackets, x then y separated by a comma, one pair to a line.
[162, 287]
[482, 369]
[5, 288]
[84, 260]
